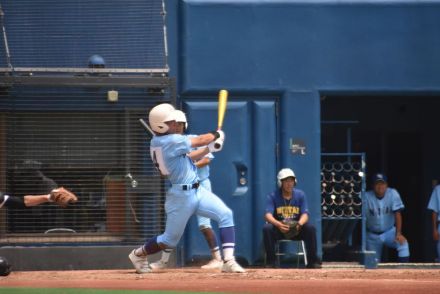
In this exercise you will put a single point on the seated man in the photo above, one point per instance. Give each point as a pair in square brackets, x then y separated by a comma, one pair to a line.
[283, 206]
[384, 219]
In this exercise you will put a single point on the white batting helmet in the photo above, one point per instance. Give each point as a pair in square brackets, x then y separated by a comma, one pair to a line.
[159, 115]
[180, 117]
[284, 174]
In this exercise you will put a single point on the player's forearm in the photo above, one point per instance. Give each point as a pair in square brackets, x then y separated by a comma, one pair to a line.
[398, 218]
[204, 161]
[34, 200]
[434, 220]
[270, 219]
[204, 139]
[303, 219]
[198, 154]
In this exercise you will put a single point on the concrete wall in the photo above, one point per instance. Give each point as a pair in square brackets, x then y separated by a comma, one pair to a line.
[301, 50]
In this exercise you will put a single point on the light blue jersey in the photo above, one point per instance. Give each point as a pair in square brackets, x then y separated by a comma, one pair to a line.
[169, 155]
[434, 201]
[434, 205]
[203, 172]
[381, 220]
[380, 211]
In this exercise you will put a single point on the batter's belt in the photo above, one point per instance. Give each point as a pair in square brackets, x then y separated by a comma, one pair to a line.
[187, 187]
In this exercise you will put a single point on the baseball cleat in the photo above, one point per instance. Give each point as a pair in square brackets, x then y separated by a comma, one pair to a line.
[158, 265]
[213, 264]
[140, 263]
[231, 266]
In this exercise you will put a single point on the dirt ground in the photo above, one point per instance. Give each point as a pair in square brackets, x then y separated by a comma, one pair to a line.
[259, 280]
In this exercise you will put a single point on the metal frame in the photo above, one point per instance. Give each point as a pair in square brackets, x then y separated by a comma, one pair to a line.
[87, 81]
[83, 70]
[300, 251]
[363, 219]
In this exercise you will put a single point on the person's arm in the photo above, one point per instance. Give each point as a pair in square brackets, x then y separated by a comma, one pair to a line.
[284, 228]
[34, 200]
[435, 234]
[398, 219]
[26, 201]
[304, 218]
[197, 154]
[304, 210]
[203, 162]
[204, 139]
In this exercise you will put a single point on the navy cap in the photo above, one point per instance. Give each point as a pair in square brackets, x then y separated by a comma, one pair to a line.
[379, 177]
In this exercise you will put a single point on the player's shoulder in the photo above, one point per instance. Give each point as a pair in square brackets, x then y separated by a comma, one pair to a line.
[370, 194]
[299, 192]
[392, 191]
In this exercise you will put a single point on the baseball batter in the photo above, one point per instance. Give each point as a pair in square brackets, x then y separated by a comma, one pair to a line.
[384, 219]
[204, 223]
[169, 152]
[434, 205]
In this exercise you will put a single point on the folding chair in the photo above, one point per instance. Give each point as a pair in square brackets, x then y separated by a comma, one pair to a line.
[287, 248]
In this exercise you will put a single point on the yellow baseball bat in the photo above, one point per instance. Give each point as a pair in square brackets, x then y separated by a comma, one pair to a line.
[222, 102]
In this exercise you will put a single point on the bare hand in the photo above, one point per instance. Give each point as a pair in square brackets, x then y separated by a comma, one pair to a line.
[400, 238]
[284, 228]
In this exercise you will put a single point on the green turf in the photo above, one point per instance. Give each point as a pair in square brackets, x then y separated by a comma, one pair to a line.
[85, 291]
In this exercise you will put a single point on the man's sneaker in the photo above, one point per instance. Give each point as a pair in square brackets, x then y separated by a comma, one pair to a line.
[231, 266]
[158, 265]
[213, 264]
[314, 265]
[140, 263]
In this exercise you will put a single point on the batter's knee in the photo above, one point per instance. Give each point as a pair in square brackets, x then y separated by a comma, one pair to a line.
[226, 219]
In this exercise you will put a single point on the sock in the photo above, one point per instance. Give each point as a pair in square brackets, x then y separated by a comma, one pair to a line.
[215, 252]
[150, 247]
[166, 255]
[227, 236]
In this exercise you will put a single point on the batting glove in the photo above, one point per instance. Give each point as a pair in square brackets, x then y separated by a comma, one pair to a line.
[216, 145]
[221, 135]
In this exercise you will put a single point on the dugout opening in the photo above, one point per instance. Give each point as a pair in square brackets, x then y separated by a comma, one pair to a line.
[400, 137]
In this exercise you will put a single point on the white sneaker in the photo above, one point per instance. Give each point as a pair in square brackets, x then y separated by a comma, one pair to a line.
[213, 264]
[232, 266]
[140, 263]
[158, 265]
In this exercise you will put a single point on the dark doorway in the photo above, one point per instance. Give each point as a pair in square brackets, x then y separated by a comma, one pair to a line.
[400, 137]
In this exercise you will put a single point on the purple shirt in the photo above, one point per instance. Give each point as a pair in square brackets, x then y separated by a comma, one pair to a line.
[284, 210]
